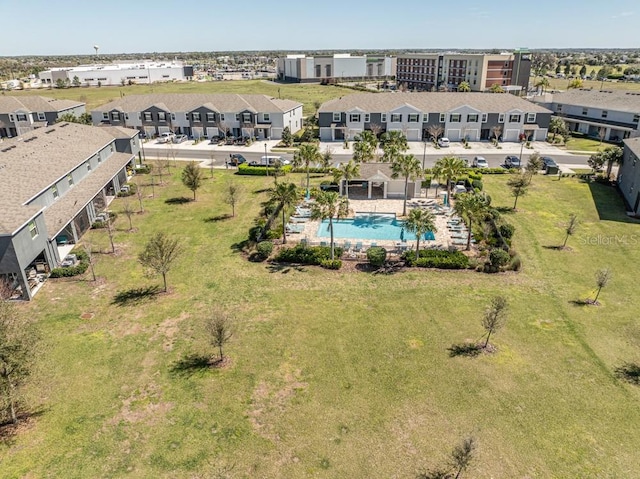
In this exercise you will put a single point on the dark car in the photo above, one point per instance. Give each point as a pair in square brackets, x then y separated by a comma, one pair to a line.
[512, 162]
[548, 162]
[236, 159]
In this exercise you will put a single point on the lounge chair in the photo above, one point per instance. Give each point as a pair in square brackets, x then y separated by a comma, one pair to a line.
[324, 243]
[297, 219]
[304, 242]
[289, 228]
[346, 246]
[358, 247]
[374, 244]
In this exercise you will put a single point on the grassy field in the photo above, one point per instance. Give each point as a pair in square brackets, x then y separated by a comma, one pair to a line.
[338, 374]
[585, 144]
[308, 95]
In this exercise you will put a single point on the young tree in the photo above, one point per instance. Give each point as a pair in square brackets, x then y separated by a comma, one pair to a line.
[18, 344]
[110, 233]
[127, 209]
[435, 131]
[575, 83]
[472, 207]
[449, 168]
[420, 222]
[88, 249]
[76, 81]
[567, 69]
[159, 254]
[534, 165]
[192, 177]
[219, 330]
[326, 158]
[602, 279]
[583, 71]
[140, 195]
[557, 125]
[497, 132]
[462, 455]
[570, 228]
[543, 84]
[304, 156]
[518, 185]
[407, 166]
[285, 195]
[287, 137]
[347, 172]
[597, 161]
[464, 87]
[613, 155]
[328, 205]
[233, 194]
[495, 316]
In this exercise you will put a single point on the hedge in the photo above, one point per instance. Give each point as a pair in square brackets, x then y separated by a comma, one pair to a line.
[69, 271]
[331, 263]
[436, 258]
[245, 169]
[302, 254]
[377, 255]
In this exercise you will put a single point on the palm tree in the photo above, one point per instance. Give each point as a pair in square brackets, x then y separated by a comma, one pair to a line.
[556, 125]
[306, 154]
[420, 222]
[347, 172]
[407, 166]
[464, 87]
[365, 146]
[435, 131]
[328, 205]
[543, 83]
[325, 158]
[394, 144]
[284, 195]
[449, 168]
[471, 207]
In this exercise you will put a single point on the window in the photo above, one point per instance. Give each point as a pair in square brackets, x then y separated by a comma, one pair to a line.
[336, 116]
[501, 118]
[21, 117]
[485, 117]
[472, 118]
[514, 118]
[531, 117]
[102, 79]
[367, 117]
[139, 116]
[396, 117]
[237, 116]
[105, 115]
[147, 116]
[354, 117]
[173, 116]
[195, 116]
[604, 113]
[33, 229]
[454, 118]
[413, 118]
[70, 180]
[88, 166]
[585, 111]
[266, 117]
[383, 117]
[636, 118]
[162, 116]
[221, 116]
[41, 116]
[54, 192]
[425, 117]
[211, 117]
[442, 117]
[115, 116]
[11, 118]
[246, 117]
[559, 108]
[126, 116]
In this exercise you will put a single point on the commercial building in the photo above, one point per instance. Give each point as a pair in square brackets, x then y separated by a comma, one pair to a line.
[611, 115]
[474, 116]
[19, 115]
[118, 73]
[337, 67]
[437, 71]
[203, 115]
[54, 182]
[629, 175]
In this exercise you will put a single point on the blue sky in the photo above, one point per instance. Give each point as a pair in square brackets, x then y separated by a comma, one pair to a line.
[50, 27]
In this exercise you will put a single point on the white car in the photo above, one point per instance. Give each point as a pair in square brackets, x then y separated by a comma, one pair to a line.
[480, 162]
[444, 142]
[165, 137]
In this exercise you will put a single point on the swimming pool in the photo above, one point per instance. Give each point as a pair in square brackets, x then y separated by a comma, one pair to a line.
[374, 226]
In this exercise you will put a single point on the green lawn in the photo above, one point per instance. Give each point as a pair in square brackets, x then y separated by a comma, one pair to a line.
[585, 144]
[339, 374]
[307, 94]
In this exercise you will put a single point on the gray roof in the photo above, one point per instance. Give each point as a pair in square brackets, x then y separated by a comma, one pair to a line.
[10, 104]
[633, 144]
[620, 100]
[185, 102]
[33, 162]
[432, 102]
[369, 170]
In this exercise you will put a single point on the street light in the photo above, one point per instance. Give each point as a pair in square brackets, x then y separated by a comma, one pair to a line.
[266, 159]
[424, 154]
[521, 147]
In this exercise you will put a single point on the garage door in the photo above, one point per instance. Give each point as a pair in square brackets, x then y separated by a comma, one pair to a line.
[511, 135]
[453, 135]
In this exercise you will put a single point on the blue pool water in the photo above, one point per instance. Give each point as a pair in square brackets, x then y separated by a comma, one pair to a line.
[370, 227]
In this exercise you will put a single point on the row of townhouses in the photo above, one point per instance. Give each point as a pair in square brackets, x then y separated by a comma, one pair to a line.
[54, 182]
[19, 115]
[203, 115]
[471, 116]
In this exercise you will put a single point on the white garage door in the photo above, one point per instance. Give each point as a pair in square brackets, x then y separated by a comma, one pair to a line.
[511, 135]
[453, 135]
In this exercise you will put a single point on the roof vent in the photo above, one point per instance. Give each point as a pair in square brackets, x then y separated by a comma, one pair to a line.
[30, 139]
[64, 124]
[49, 131]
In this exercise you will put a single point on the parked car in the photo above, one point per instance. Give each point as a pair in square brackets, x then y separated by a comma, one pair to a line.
[548, 162]
[512, 162]
[466, 161]
[165, 137]
[444, 142]
[480, 162]
[459, 189]
[236, 159]
[180, 138]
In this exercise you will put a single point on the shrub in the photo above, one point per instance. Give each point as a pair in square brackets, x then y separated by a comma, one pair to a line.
[498, 258]
[130, 192]
[507, 230]
[245, 169]
[274, 233]
[265, 248]
[477, 185]
[331, 263]
[516, 263]
[69, 271]
[255, 232]
[306, 254]
[142, 169]
[435, 258]
[376, 256]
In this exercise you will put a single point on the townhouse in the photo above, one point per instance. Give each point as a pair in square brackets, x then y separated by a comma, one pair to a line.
[54, 181]
[339, 66]
[434, 71]
[474, 116]
[22, 114]
[611, 115]
[203, 115]
[629, 175]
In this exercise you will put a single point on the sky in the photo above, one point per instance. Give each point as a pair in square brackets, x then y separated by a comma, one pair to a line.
[72, 27]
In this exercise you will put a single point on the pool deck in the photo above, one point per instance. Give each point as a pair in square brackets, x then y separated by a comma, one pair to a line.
[443, 236]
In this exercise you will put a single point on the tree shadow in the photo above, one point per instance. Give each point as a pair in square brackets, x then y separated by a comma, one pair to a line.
[192, 364]
[178, 200]
[135, 295]
[583, 302]
[285, 268]
[554, 247]
[629, 372]
[9, 430]
[467, 350]
[366, 267]
[263, 190]
[240, 246]
[390, 267]
[504, 210]
[214, 219]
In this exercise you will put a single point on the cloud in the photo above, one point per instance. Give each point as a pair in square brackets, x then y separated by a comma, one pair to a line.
[623, 14]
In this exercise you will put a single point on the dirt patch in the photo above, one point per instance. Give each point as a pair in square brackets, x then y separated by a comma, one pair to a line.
[142, 406]
[168, 329]
[87, 316]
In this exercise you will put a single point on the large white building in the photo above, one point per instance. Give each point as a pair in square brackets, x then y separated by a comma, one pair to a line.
[119, 73]
[339, 66]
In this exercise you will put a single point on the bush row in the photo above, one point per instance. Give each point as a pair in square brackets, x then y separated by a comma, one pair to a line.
[68, 271]
[435, 258]
[244, 169]
[302, 254]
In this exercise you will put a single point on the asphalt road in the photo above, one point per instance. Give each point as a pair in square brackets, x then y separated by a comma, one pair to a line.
[220, 157]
